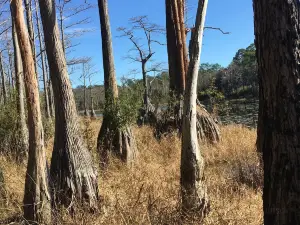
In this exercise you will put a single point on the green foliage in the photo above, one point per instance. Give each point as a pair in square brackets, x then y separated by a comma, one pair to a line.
[212, 92]
[8, 126]
[130, 101]
[207, 73]
[240, 77]
[123, 111]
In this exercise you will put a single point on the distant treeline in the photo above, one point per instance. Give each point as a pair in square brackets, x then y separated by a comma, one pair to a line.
[238, 80]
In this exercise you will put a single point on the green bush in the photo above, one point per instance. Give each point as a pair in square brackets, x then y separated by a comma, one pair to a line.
[8, 126]
[124, 111]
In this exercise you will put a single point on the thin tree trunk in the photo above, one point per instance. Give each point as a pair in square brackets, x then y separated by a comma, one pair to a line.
[119, 140]
[146, 89]
[62, 32]
[93, 113]
[86, 112]
[23, 130]
[51, 98]
[28, 10]
[50, 89]
[277, 33]
[193, 189]
[45, 80]
[37, 200]
[3, 76]
[72, 171]
[12, 85]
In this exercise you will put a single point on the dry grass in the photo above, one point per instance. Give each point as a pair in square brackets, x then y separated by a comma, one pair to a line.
[149, 192]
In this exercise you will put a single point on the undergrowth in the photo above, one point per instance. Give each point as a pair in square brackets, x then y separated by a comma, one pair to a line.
[148, 193]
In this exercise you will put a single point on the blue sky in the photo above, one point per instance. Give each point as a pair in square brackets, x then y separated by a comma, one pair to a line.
[234, 16]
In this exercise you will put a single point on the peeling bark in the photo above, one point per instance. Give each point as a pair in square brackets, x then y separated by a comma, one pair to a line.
[37, 199]
[193, 188]
[22, 127]
[28, 10]
[178, 65]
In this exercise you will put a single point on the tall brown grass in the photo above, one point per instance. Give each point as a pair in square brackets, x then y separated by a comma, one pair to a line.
[148, 193]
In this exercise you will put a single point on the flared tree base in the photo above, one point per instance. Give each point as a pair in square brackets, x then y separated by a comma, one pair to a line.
[74, 179]
[118, 142]
[169, 122]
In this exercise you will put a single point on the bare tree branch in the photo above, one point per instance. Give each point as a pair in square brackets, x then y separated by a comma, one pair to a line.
[216, 28]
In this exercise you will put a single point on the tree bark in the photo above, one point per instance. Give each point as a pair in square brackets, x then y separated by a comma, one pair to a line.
[50, 89]
[146, 91]
[277, 34]
[62, 30]
[22, 127]
[45, 80]
[37, 200]
[92, 113]
[112, 138]
[72, 172]
[11, 66]
[171, 120]
[176, 43]
[86, 112]
[28, 10]
[3, 76]
[193, 189]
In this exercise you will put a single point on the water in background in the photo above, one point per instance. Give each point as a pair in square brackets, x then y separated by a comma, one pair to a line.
[238, 111]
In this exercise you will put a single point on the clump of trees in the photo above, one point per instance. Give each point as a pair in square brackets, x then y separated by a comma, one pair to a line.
[238, 79]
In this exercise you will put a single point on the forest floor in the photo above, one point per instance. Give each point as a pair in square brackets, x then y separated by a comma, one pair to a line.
[148, 193]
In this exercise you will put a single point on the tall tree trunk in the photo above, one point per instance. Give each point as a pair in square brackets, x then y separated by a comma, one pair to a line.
[86, 112]
[37, 200]
[11, 66]
[146, 88]
[92, 113]
[277, 34]
[62, 33]
[119, 140]
[176, 43]
[22, 127]
[193, 189]
[51, 98]
[50, 89]
[207, 129]
[28, 10]
[45, 80]
[72, 171]
[3, 76]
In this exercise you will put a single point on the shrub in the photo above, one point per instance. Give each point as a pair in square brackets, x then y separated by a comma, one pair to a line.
[248, 171]
[9, 127]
